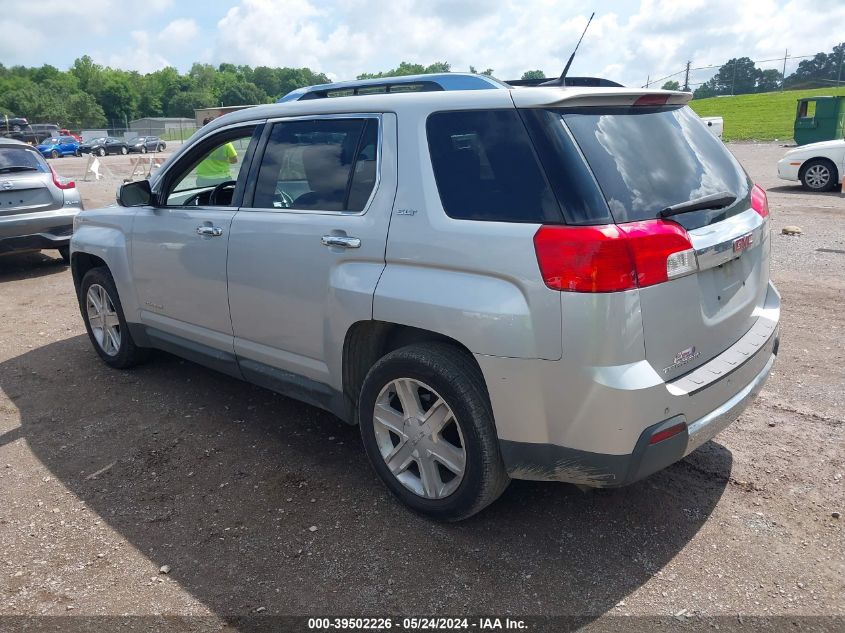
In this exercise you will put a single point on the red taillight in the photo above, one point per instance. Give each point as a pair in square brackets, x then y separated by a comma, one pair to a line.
[759, 201]
[613, 257]
[61, 184]
[665, 434]
[652, 100]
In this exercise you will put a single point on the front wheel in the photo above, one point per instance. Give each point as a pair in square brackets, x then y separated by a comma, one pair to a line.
[124, 150]
[818, 175]
[143, 149]
[428, 430]
[64, 251]
[55, 154]
[105, 322]
[101, 151]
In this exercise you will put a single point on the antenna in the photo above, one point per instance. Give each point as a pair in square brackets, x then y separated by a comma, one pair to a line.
[561, 81]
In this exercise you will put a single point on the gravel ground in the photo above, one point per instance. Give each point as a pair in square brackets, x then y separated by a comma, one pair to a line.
[258, 504]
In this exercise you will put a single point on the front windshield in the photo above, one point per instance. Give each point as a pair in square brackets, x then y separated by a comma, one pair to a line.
[50, 141]
[97, 140]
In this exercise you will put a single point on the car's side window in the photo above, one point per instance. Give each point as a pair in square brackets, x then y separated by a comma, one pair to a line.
[322, 164]
[209, 176]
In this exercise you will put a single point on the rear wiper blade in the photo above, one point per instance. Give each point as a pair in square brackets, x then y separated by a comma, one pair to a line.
[718, 200]
[11, 168]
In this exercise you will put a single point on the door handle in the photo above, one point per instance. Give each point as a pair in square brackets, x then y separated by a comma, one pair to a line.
[212, 231]
[340, 240]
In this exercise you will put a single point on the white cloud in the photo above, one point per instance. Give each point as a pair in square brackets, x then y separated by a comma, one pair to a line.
[627, 42]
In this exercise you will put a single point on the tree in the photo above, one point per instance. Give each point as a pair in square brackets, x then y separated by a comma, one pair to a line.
[86, 72]
[184, 103]
[84, 112]
[488, 72]
[820, 70]
[769, 80]
[533, 74]
[117, 96]
[738, 76]
[671, 85]
[242, 93]
[407, 68]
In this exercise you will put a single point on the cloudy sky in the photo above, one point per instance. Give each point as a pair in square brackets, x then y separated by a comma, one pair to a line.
[628, 41]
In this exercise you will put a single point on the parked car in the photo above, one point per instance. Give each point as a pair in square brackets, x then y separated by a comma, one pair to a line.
[45, 131]
[37, 207]
[65, 132]
[490, 281]
[58, 146]
[18, 128]
[146, 144]
[104, 145]
[818, 166]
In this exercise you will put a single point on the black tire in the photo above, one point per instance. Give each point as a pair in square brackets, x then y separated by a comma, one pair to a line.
[814, 172]
[128, 353]
[456, 378]
[161, 147]
[64, 251]
[143, 149]
[124, 150]
[77, 153]
[101, 151]
[55, 154]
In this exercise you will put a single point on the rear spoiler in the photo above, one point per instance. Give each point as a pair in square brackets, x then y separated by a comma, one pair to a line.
[541, 97]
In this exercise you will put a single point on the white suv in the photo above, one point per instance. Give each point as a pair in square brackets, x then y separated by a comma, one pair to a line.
[553, 283]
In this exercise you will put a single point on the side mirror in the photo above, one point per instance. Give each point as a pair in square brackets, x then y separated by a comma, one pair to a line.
[135, 194]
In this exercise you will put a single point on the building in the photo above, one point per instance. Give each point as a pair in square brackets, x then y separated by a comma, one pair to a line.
[201, 114]
[180, 127]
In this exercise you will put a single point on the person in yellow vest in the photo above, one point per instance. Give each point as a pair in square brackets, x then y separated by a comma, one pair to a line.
[214, 169]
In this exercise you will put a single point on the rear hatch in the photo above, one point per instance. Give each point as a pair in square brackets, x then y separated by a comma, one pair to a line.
[25, 182]
[649, 158]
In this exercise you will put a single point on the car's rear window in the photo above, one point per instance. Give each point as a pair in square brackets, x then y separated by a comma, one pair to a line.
[486, 169]
[647, 159]
[14, 157]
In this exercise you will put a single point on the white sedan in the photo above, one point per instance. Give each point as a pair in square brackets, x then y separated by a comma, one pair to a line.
[819, 166]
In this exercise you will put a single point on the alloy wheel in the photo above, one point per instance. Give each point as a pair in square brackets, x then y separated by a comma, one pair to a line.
[103, 319]
[817, 176]
[419, 438]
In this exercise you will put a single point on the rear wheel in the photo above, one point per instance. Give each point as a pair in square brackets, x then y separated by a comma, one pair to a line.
[105, 322]
[427, 427]
[818, 175]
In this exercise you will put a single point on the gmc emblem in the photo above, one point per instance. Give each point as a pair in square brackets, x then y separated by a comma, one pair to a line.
[743, 243]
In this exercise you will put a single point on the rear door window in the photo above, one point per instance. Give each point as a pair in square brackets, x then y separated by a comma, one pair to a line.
[647, 159]
[486, 169]
[19, 159]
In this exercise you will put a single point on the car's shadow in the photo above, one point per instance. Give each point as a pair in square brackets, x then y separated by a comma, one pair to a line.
[798, 189]
[222, 481]
[29, 265]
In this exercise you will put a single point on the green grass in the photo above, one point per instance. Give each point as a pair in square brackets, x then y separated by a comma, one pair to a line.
[760, 117]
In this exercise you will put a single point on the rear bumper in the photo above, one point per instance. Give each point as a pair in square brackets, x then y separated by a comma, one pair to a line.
[38, 230]
[594, 426]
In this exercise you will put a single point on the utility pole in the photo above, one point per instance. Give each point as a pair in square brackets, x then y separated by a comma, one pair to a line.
[647, 80]
[733, 79]
[841, 58]
[686, 77]
[783, 77]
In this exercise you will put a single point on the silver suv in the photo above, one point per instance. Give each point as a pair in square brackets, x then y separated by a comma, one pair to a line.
[550, 283]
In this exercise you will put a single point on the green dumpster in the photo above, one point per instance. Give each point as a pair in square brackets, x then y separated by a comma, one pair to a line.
[819, 119]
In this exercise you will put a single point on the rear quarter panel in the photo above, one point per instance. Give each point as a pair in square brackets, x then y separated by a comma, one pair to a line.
[476, 282]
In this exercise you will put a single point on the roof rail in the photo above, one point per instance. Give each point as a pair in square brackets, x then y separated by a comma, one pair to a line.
[591, 82]
[407, 83]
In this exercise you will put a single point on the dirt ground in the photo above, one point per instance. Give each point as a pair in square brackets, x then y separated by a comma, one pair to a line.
[261, 505]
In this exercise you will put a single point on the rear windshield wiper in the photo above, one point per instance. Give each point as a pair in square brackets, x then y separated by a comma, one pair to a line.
[718, 200]
[11, 168]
